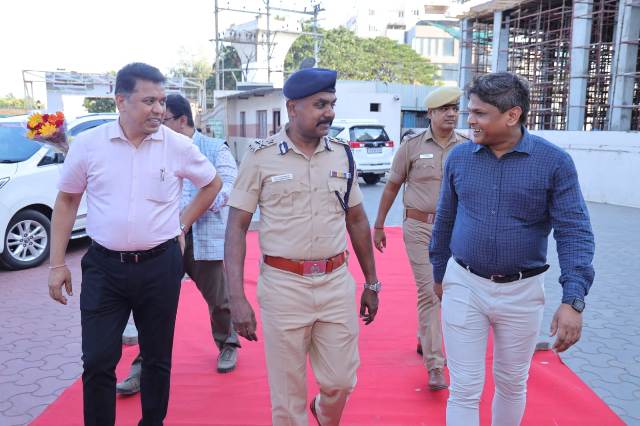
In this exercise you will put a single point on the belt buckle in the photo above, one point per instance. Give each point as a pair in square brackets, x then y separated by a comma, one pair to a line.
[314, 268]
[124, 256]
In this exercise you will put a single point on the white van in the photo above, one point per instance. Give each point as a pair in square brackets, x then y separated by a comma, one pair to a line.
[372, 149]
[29, 174]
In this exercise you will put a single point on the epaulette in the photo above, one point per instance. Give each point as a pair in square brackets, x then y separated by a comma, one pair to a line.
[259, 144]
[464, 136]
[414, 136]
[340, 141]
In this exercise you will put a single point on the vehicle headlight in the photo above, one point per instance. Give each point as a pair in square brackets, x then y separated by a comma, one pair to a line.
[3, 181]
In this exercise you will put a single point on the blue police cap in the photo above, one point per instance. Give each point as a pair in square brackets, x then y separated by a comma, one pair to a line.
[308, 81]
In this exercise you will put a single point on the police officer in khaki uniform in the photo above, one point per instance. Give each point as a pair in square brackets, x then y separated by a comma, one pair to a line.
[419, 164]
[305, 185]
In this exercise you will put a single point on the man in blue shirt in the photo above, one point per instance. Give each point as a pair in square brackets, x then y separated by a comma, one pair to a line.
[500, 198]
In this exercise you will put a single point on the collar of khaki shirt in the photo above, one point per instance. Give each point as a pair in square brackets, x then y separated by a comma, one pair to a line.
[282, 136]
[427, 136]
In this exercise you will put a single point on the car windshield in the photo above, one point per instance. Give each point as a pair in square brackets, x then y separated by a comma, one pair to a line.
[368, 134]
[334, 131]
[14, 144]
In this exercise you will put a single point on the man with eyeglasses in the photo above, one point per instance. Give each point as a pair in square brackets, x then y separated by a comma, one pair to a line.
[204, 249]
[418, 165]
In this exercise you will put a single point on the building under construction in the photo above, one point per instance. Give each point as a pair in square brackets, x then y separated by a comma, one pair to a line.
[580, 57]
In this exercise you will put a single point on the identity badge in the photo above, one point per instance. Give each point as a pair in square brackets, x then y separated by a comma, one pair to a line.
[426, 155]
[280, 178]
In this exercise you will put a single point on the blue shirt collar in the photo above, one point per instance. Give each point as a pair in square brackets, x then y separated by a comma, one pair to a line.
[524, 145]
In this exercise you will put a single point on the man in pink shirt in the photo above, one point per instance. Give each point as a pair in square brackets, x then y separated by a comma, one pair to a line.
[132, 171]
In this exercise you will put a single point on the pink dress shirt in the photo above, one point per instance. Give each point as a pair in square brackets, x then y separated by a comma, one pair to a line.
[133, 194]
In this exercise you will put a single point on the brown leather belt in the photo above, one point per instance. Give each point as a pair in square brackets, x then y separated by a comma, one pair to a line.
[416, 214]
[307, 268]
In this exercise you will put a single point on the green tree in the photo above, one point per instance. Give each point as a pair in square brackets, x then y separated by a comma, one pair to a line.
[11, 102]
[94, 105]
[358, 58]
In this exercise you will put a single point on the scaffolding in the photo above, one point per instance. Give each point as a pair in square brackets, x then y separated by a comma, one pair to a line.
[599, 78]
[478, 37]
[539, 35]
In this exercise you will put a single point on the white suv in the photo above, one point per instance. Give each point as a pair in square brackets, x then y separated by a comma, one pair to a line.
[372, 149]
[29, 174]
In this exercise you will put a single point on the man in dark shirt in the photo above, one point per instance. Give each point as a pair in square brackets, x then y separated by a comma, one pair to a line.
[500, 198]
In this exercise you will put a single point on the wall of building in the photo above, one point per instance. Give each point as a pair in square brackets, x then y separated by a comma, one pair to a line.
[354, 103]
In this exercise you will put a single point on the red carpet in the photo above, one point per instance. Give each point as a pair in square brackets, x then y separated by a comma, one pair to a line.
[391, 386]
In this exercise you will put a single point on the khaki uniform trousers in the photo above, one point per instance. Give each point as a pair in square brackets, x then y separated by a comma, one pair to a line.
[417, 236]
[315, 316]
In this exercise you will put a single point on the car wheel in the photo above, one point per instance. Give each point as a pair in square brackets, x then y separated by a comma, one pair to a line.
[27, 240]
[371, 178]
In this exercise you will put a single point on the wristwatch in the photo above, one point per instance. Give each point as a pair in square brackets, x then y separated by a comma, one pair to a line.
[183, 228]
[376, 287]
[578, 305]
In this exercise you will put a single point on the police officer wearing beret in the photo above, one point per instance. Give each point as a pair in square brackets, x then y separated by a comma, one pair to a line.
[305, 184]
[418, 165]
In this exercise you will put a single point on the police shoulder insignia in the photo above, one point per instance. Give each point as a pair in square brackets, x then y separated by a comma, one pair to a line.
[340, 141]
[259, 144]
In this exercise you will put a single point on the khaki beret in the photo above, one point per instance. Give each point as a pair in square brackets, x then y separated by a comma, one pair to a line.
[442, 96]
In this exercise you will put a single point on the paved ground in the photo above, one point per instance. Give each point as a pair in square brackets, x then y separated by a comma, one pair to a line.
[40, 340]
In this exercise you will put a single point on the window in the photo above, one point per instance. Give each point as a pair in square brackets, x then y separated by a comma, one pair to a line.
[416, 12]
[372, 12]
[243, 124]
[86, 126]
[261, 120]
[374, 107]
[276, 121]
[368, 134]
[372, 28]
[401, 14]
[52, 157]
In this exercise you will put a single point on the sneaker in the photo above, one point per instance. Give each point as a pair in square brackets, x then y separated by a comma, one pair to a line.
[131, 385]
[227, 359]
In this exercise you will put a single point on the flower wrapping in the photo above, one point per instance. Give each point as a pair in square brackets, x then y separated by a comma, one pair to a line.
[49, 129]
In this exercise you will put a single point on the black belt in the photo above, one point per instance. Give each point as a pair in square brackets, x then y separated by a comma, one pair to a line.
[499, 278]
[135, 256]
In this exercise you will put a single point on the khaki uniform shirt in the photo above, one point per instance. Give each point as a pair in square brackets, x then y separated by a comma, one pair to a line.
[300, 215]
[419, 164]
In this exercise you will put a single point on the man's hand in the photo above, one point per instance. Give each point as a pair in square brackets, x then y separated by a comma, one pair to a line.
[368, 306]
[243, 318]
[437, 289]
[567, 325]
[57, 278]
[379, 239]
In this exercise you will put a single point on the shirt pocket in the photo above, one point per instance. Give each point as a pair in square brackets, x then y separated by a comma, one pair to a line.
[161, 186]
[529, 203]
[339, 186]
[282, 196]
[425, 170]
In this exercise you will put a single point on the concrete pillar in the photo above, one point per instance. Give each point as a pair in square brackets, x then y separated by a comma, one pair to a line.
[624, 65]
[500, 43]
[580, 40]
[465, 75]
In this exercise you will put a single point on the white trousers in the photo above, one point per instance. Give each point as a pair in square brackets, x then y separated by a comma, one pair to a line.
[470, 306]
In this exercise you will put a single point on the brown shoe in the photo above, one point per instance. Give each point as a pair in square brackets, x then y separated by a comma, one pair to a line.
[419, 348]
[312, 407]
[437, 380]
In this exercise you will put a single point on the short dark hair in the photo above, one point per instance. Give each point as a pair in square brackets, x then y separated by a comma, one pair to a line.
[179, 106]
[129, 74]
[503, 90]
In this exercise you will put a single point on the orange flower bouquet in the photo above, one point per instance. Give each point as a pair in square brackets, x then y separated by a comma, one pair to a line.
[48, 129]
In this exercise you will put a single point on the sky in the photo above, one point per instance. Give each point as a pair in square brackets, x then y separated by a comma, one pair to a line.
[101, 36]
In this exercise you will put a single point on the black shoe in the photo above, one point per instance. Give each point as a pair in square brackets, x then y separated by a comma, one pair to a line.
[419, 348]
